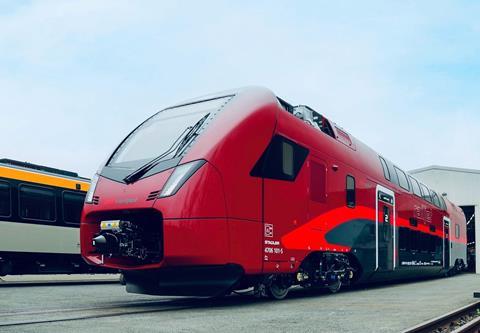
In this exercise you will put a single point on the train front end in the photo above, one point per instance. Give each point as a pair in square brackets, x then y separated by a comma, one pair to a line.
[157, 209]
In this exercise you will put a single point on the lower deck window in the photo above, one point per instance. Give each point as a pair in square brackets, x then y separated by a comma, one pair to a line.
[37, 203]
[72, 207]
[5, 199]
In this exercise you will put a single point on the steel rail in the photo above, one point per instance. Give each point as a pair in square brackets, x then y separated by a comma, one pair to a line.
[9, 284]
[447, 319]
[45, 317]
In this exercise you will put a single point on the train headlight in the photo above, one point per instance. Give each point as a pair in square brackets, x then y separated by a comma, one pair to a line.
[179, 176]
[91, 190]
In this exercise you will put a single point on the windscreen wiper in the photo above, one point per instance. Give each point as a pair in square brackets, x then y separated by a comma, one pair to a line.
[192, 134]
[188, 134]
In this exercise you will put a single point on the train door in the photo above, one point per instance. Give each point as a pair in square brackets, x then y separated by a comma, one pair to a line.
[385, 229]
[446, 243]
[285, 198]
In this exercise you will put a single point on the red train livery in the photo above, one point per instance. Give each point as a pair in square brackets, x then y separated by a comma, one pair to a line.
[240, 189]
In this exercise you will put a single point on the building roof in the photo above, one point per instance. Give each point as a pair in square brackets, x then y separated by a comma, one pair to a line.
[444, 168]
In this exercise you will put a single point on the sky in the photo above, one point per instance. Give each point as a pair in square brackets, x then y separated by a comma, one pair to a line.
[77, 76]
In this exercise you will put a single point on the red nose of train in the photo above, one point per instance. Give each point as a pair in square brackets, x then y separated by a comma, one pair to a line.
[136, 226]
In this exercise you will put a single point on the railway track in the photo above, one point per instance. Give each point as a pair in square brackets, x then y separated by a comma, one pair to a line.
[35, 317]
[52, 280]
[462, 320]
[7, 284]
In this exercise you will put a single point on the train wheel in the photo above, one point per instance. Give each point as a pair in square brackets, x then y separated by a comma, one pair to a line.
[277, 291]
[277, 287]
[335, 286]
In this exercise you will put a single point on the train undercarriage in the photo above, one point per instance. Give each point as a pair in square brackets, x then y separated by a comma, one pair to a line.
[318, 270]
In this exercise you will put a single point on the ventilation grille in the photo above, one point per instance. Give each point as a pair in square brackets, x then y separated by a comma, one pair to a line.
[96, 200]
[153, 195]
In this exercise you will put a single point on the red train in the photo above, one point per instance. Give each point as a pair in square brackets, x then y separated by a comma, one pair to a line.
[241, 189]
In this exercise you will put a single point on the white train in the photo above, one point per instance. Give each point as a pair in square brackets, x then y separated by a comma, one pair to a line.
[40, 210]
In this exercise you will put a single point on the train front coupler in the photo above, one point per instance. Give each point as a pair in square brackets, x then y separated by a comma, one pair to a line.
[119, 238]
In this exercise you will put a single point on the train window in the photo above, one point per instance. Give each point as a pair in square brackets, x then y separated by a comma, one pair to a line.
[37, 203]
[72, 206]
[402, 179]
[386, 173]
[287, 154]
[425, 193]
[350, 191]
[5, 200]
[442, 203]
[282, 160]
[457, 230]
[415, 187]
[403, 238]
[413, 221]
[435, 199]
[318, 177]
[393, 174]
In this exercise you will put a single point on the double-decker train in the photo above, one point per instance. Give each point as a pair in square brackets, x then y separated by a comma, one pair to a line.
[241, 189]
[40, 210]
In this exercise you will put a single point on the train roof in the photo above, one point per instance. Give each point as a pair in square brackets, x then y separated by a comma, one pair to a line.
[363, 156]
[40, 174]
[38, 167]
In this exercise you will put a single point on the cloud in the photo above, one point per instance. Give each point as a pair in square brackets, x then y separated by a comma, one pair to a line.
[77, 76]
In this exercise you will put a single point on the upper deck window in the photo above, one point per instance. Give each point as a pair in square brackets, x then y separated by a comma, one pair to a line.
[386, 173]
[435, 199]
[425, 193]
[163, 134]
[415, 187]
[5, 199]
[402, 179]
[442, 203]
[37, 203]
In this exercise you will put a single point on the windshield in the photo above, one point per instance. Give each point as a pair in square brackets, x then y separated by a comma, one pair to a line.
[159, 133]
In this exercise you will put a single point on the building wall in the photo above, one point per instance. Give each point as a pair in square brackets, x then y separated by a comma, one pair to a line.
[462, 188]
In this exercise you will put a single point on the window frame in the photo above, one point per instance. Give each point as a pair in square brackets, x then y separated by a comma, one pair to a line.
[10, 197]
[288, 159]
[434, 195]
[398, 176]
[34, 219]
[422, 187]
[413, 181]
[442, 202]
[348, 192]
[386, 172]
[63, 206]
[270, 163]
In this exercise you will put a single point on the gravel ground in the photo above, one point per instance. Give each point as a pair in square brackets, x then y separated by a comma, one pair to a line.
[381, 308]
